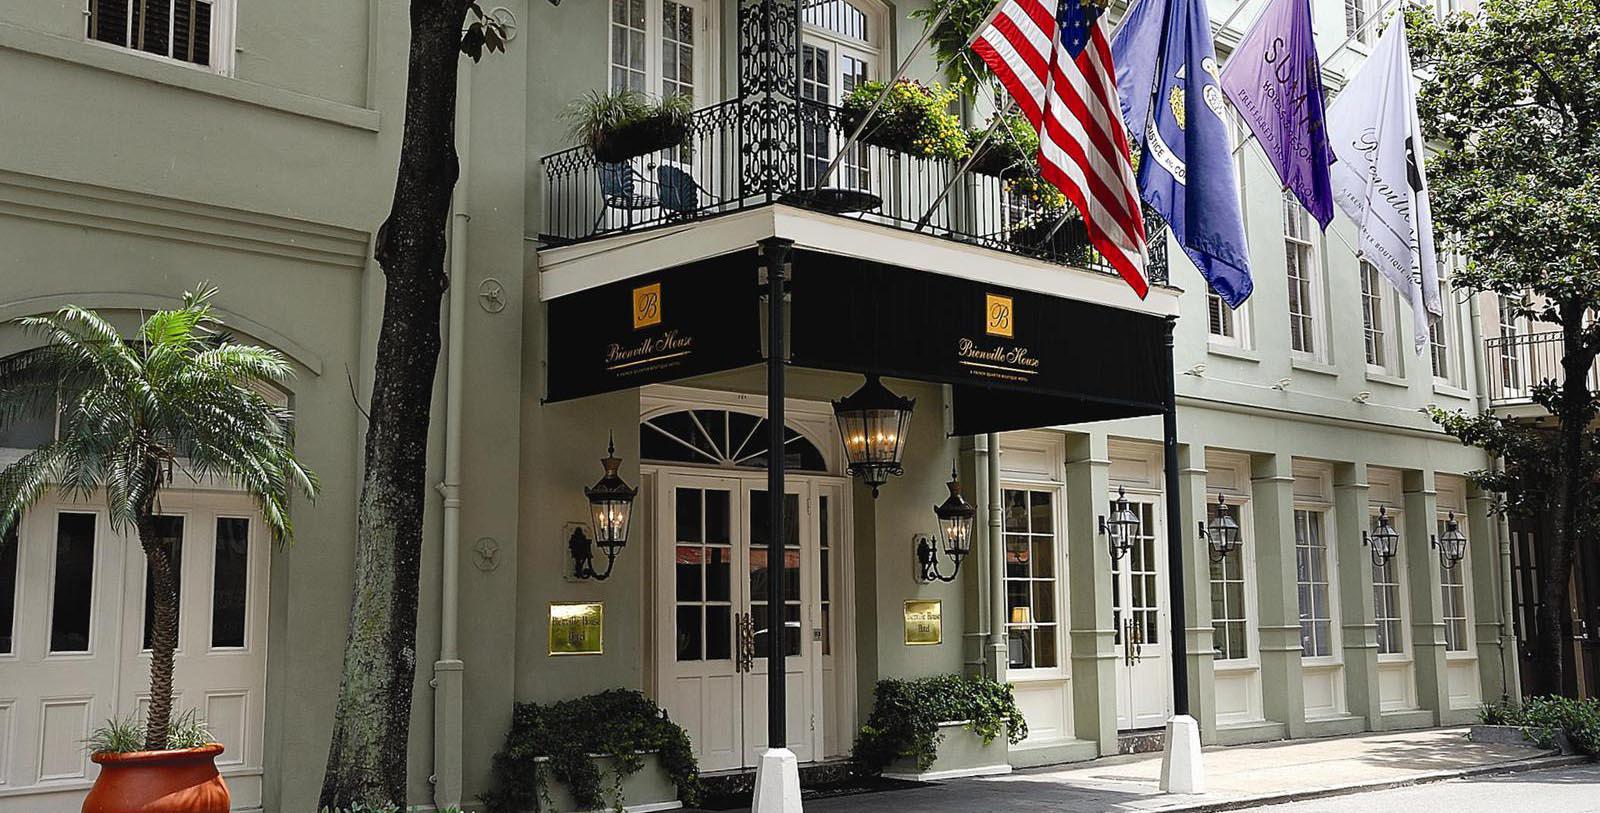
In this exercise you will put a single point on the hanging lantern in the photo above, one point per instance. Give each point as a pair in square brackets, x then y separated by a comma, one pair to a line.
[872, 424]
[1452, 544]
[957, 518]
[1120, 526]
[610, 510]
[1384, 541]
[1222, 534]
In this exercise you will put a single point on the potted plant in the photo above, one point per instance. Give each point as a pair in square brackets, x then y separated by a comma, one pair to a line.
[939, 728]
[1012, 151]
[914, 118]
[599, 750]
[179, 395]
[621, 124]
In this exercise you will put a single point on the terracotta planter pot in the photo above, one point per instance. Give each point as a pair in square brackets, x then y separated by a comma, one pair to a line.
[181, 781]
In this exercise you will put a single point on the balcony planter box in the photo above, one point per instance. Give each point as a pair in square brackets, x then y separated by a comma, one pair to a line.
[1067, 244]
[1000, 160]
[641, 137]
[645, 790]
[961, 753]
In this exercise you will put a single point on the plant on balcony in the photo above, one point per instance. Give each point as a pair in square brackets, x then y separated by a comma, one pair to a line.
[621, 124]
[959, 21]
[906, 715]
[1012, 150]
[177, 396]
[914, 118]
[1508, 100]
[562, 740]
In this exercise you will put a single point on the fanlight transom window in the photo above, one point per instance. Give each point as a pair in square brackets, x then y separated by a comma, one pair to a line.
[838, 17]
[718, 437]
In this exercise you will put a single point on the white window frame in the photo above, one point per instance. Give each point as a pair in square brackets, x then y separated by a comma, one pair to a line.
[1462, 576]
[1379, 326]
[707, 80]
[1302, 241]
[1058, 514]
[223, 27]
[1358, 20]
[1242, 558]
[1395, 569]
[1443, 340]
[1329, 570]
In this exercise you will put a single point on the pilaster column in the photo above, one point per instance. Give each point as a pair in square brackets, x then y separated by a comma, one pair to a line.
[1489, 558]
[1094, 664]
[1427, 600]
[1277, 597]
[1197, 590]
[1353, 580]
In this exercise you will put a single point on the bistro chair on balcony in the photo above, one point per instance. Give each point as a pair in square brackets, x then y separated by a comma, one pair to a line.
[681, 194]
[620, 186]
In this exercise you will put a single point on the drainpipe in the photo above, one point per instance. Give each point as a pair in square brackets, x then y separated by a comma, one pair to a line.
[1509, 674]
[999, 657]
[448, 669]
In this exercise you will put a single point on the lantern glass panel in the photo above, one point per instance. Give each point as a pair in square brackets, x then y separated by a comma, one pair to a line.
[610, 518]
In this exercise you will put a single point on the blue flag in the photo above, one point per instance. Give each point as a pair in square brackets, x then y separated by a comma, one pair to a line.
[1172, 103]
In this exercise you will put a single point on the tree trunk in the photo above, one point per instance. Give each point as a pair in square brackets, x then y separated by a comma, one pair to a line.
[1551, 655]
[163, 589]
[367, 756]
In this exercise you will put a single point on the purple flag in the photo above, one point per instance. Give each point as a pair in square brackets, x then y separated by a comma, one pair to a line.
[1274, 78]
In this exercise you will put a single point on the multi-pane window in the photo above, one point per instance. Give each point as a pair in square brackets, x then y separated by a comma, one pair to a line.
[73, 585]
[1222, 321]
[8, 590]
[1030, 537]
[1372, 315]
[1311, 579]
[825, 543]
[1510, 351]
[1229, 620]
[1387, 609]
[1453, 588]
[1439, 335]
[230, 574]
[176, 29]
[1301, 277]
[1135, 597]
[703, 563]
[1356, 14]
[654, 46]
[761, 574]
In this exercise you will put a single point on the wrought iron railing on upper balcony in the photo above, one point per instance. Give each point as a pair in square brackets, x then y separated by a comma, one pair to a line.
[709, 172]
[1519, 363]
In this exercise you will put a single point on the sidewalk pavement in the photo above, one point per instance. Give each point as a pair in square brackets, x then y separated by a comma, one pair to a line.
[1236, 777]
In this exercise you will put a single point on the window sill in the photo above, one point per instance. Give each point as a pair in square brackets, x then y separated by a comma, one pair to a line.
[1233, 352]
[1321, 663]
[1235, 667]
[174, 74]
[1310, 365]
[1450, 390]
[1461, 657]
[1378, 377]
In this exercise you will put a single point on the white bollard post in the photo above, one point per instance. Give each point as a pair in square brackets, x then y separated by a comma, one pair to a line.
[1181, 767]
[777, 783]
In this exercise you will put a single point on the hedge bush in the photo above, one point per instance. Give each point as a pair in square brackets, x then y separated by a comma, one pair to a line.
[906, 715]
[1541, 717]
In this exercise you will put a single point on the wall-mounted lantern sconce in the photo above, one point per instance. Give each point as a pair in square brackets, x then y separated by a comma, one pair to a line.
[1120, 526]
[1223, 534]
[872, 424]
[957, 518]
[610, 509]
[1452, 546]
[1384, 542]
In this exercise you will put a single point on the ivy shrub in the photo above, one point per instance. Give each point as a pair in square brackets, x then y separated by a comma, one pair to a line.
[906, 715]
[914, 118]
[1541, 717]
[562, 740]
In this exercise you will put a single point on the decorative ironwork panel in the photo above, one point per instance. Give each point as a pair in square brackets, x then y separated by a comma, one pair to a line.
[769, 92]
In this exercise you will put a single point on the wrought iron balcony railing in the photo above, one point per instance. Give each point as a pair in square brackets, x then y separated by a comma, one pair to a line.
[710, 173]
[1518, 363]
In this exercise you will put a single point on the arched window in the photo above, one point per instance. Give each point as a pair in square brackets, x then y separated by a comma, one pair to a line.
[838, 17]
[719, 437]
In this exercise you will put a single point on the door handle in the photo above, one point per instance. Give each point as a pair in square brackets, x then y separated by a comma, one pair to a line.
[1137, 637]
[747, 643]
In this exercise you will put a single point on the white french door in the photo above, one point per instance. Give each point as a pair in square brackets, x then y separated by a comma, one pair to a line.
[712, 615]
[1139, 615]
[829, 71]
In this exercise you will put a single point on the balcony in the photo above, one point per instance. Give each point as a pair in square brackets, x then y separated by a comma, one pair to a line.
[1519, 363]
[740, 155]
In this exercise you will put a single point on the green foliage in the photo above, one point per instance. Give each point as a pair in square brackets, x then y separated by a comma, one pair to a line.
[560, 741]
[1013, 149]
[1541, 717]
[914, 118]
[620, 124]
[906, 715]
[125, 735]
[485, 31]
[961, 20]
[362, 807]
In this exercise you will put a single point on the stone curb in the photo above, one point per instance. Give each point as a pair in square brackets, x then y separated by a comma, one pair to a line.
[1265, 799]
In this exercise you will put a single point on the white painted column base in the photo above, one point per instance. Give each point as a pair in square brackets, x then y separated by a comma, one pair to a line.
[1181, 768]
[777, 783]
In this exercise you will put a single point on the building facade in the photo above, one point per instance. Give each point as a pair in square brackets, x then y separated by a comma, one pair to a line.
[155, 144]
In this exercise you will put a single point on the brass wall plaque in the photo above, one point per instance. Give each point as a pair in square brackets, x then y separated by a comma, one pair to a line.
[577, 628]
[924, 626]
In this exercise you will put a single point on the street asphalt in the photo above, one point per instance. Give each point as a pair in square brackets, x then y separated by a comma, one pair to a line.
[1574, 789]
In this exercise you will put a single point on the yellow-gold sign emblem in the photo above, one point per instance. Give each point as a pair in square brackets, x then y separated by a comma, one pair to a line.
[647, 306]
[577, 628]
[999, 317]
[924, 623]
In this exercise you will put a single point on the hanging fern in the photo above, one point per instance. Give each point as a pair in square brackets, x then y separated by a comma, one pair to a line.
[906, 715]
[562, 740]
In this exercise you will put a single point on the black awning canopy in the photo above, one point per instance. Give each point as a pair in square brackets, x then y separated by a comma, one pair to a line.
[1015, 359]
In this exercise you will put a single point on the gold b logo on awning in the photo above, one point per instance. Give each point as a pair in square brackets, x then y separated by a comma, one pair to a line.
[647, 306]
[999, 318]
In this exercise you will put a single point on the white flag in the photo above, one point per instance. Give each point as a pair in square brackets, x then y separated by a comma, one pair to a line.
[1378, 179]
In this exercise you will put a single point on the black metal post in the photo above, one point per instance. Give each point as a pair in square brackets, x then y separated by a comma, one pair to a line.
[1175, 572]
[776, 252]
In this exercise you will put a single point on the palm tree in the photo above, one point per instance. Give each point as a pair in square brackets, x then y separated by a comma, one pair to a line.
[181, 394]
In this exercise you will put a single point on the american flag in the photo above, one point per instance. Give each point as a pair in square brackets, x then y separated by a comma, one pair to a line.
[1054, 59]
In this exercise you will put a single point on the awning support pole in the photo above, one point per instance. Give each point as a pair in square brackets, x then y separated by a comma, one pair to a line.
[777, 256]
[1175, 580]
